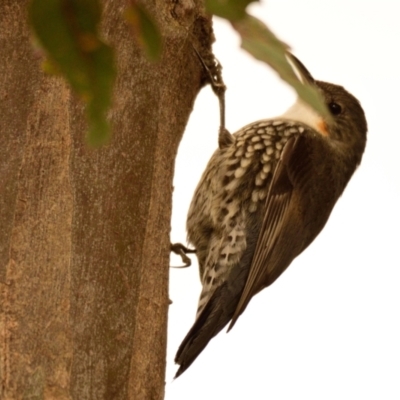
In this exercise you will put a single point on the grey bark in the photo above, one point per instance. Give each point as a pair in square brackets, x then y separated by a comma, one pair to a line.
[84, 233]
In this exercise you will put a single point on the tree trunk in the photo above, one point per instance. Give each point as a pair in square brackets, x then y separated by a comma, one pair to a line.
[84, 233]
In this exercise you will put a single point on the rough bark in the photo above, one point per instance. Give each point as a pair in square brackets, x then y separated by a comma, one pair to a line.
[84, 233]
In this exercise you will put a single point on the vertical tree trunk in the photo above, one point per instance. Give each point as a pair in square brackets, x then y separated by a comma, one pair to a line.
[84, 233]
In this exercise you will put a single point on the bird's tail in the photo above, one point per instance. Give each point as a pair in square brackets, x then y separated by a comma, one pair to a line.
[216, 314]
[218, 310]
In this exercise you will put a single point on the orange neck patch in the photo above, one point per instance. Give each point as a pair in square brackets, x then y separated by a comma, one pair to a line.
[322, 128]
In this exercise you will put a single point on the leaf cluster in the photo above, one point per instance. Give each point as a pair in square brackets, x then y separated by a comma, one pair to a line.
[68, 31]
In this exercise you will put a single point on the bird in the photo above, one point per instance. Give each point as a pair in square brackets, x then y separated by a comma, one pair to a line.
[265, 195]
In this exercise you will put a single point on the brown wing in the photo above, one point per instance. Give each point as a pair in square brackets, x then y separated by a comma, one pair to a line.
[292, 172]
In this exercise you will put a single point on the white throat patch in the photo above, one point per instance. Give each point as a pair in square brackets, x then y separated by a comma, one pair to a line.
[303, 113]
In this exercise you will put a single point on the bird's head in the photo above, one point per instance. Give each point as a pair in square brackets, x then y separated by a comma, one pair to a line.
[347, 124]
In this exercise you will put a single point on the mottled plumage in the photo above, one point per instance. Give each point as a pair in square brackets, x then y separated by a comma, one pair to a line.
[263, 198]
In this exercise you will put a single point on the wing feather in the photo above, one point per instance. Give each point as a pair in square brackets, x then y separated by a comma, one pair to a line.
[277, 209]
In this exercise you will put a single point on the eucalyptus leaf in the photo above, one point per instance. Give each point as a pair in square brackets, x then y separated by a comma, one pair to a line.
[145, 30]
[261, 43]
[232, 10]
[67, 31]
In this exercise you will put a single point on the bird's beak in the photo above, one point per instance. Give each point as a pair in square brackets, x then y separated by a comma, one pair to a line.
[300, 70]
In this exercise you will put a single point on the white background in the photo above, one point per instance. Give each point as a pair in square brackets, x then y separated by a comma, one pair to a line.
[329, 328]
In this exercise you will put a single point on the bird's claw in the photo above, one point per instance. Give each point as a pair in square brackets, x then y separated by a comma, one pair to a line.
[181, 250]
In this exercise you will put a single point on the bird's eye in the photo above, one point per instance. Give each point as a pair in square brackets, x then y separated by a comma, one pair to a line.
[334, 108]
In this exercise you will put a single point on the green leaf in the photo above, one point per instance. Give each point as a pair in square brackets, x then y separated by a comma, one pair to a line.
[67, 30]
[260, 42]
[145, 31]
[233, 10]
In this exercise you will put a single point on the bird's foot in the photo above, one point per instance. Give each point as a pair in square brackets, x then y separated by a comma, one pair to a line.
[181, 250]
[214, 71]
